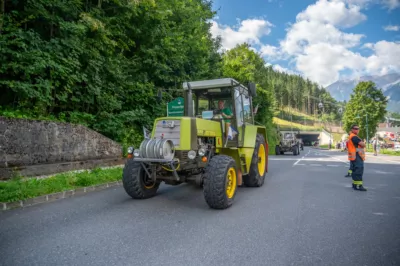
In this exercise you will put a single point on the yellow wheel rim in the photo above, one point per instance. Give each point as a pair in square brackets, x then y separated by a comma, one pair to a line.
[231, 182]
[261, 160]
[146, 184]
[149, 186]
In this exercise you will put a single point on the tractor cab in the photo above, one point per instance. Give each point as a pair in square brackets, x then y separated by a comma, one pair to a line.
[225, 101]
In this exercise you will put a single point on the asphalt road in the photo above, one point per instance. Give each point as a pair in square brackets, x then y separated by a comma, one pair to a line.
[305, 214]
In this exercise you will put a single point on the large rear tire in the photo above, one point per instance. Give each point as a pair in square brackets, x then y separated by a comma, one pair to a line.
[220, 182]
[136, 182]
[258, 167]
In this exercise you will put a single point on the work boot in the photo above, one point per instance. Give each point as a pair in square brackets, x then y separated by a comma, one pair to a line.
[360, 188]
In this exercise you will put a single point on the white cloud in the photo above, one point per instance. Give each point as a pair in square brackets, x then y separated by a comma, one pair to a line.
[359, 3]
[304, 33]
[391, 4]
[321, 51]
[322, 62]
[386, 58]
[269, 50]
[316, 46]
[392, 28]
[335, 13]
[250, 31]
[280, 68]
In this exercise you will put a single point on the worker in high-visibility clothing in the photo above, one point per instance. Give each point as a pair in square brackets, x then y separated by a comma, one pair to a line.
[356, 155]
[350, 171]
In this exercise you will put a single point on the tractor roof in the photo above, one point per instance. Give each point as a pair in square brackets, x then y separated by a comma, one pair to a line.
[212, 84]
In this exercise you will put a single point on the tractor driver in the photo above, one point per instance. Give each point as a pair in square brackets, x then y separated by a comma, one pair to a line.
[226, 116]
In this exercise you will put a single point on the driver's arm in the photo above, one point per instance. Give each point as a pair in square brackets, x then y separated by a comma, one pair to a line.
[227, 116]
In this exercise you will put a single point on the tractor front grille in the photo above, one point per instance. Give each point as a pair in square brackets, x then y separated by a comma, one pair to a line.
[181, 155]
[169, 133]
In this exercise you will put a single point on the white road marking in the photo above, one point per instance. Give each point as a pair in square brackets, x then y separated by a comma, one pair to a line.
[392, 161]
[296, 162]
[383, 172]
[282, 159]
[333, 165]
[378, 213]
[315, 164]
[299, 160]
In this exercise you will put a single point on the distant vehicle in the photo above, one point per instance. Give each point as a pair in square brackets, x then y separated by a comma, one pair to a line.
[288, 142]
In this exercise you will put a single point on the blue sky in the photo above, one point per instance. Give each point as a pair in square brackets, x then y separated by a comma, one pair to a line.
[323, 40]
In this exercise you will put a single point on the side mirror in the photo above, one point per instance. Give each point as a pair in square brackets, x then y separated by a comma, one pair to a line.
[252, 88]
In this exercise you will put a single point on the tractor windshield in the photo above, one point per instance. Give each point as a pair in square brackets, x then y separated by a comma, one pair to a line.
[288, 136]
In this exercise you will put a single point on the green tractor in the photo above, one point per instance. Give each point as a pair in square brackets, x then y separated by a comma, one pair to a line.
[214, 145]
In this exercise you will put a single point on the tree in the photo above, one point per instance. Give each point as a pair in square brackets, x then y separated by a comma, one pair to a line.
[367, 103]
[245, 65]
[394, 119]
[101, 63]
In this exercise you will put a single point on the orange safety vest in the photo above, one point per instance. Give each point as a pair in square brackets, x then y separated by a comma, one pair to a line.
[352, 150]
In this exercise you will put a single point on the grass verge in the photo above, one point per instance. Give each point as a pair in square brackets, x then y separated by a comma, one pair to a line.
[286, 125]
[20, 189]
[385, 151]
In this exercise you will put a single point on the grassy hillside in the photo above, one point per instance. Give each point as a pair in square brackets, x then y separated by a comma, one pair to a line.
[287, 125]
[297, 116]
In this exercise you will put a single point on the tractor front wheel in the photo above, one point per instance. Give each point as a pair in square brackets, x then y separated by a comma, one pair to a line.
[136, 181]
[220, 182]
[258, 166]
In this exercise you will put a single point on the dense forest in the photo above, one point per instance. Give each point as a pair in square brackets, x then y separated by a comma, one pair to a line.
[114, 64]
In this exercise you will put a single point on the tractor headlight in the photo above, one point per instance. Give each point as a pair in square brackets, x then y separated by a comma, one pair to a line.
[130, 150]
[136, 153]
[202, 151]
[191, 154]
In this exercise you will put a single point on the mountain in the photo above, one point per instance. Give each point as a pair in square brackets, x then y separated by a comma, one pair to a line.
[390, 85]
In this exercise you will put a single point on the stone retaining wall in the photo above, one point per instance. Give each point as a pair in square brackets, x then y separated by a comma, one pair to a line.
[27, 144]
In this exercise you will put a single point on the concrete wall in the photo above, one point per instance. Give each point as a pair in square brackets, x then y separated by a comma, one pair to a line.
[388, 129]
[325, 137]
[26, 143]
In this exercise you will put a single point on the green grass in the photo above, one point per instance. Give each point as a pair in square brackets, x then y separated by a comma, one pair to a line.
[19, 189]
[286, 125]
[296, 116]
[384, 151]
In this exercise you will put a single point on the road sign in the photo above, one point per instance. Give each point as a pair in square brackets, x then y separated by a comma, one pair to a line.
[176, 107]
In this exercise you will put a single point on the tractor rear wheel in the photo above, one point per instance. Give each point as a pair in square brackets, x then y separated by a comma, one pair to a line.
[136, 182]
[258, 167]
[220, 182]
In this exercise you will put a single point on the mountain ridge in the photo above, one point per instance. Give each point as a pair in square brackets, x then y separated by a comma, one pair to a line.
[389, 83]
